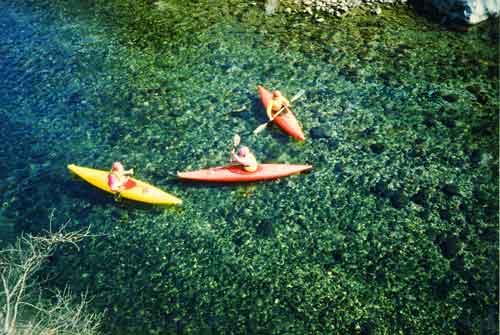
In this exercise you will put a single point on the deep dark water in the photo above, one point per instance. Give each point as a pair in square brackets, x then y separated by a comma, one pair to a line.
[394, 231]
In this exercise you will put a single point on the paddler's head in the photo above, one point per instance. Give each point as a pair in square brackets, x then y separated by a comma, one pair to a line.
[277, 94]
[243, 151]
[117, 167]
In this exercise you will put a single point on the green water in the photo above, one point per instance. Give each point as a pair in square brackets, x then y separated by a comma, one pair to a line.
[394, 231]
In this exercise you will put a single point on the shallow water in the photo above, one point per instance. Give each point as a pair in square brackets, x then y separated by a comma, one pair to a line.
[394, 230]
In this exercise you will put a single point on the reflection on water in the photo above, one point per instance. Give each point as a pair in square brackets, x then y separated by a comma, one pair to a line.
[396, 225]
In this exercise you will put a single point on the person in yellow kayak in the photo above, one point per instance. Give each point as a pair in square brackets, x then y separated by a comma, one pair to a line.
[118, 179]
[277, 102]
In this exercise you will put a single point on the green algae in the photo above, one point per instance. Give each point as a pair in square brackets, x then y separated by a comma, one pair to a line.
[394, 231]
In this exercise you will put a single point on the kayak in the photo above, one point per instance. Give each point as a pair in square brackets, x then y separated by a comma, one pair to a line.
[235, 173]
[134, 189]
[286, 120]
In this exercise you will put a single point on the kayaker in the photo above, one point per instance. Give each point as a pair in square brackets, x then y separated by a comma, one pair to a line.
[277, 102]
[246, 158]
[118, 178]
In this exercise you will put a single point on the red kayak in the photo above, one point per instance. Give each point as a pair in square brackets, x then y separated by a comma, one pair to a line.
[286, 120]
[235, 173]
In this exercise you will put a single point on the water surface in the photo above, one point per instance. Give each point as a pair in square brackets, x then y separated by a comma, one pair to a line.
[394, 230]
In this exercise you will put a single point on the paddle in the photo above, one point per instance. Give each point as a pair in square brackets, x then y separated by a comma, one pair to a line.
[236, 142]
[264, 125]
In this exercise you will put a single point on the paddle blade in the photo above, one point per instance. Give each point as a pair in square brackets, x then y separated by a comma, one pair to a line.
[298, 95]
[260, 128]
[236, 140]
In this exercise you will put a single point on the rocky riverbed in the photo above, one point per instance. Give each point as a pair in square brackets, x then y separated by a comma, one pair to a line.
[332, 7]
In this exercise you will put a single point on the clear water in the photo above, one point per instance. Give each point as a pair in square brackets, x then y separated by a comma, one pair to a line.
[394, 230]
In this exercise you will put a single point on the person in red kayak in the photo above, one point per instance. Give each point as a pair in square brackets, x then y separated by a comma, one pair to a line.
[246, 158]
[118, 178]
[277, 102]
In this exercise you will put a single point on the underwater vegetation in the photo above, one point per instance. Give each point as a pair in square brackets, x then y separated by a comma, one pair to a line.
[394, 231]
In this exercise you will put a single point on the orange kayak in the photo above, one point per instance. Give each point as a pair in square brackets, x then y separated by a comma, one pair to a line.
[286, 120]
[235, 173]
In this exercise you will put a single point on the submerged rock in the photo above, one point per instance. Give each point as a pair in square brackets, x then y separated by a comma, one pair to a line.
[271, 6]
[320, 132]
[465, 11]
[377, 148]
[398, 199]
[450, 246]
[450, 97]
[419, 198]
[450, 189]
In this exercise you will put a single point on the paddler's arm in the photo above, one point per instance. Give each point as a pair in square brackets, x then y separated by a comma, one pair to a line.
[114, 184]
[269, 109]
[236, 158]
[286, 102]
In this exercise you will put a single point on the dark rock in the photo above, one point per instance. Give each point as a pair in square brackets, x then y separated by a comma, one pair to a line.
[481, 196]
[463, 326]
[482, 98]
[490, 324]
[319, 132]
[491, 210]
[338, 168]
[450, 246]
[493, 71]
[475, 156]
[441, 289]
[444, 214]
[450, 97]
[368, 328]
[429, 122]
[338, 255]
[414, 152]
[367, 132]
[448, 122]
[419, 198]
[489, 234]
[334, 144]
[75, 98]
[265, 228]
[212, 46]
[380, 188]
[176, 112]
[425, 214]
[386, 76]
[474, 89]
[350, 73]
[377, 148]
[458, 264]
[397, 199]
[419, 140]
[463, 12]
[450, 189]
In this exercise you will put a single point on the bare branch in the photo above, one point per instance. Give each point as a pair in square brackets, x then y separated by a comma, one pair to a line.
[18, 263]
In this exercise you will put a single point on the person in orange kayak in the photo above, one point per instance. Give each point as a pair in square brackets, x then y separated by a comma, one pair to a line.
[246, 158]
[278, 101]
[118, 178]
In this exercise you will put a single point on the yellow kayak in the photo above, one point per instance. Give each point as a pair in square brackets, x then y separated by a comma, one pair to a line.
[141, 191]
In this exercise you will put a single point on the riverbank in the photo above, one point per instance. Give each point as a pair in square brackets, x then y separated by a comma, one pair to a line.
[335, 7]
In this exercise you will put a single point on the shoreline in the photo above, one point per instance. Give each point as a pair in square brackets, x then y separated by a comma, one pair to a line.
[319, 8]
